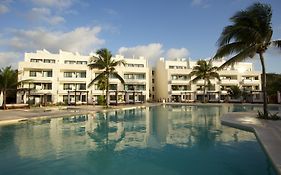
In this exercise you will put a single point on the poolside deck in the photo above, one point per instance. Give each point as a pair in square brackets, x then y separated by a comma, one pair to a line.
[267, 132]
[17, 115]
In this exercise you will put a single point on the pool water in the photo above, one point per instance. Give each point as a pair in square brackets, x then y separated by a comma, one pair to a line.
[166, 140]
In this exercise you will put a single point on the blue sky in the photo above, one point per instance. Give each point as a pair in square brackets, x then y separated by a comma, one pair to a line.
[150, 28]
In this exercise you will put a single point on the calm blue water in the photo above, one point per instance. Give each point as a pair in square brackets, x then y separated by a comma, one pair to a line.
[166, 140]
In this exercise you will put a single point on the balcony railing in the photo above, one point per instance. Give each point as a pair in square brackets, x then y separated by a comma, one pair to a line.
[250, 82]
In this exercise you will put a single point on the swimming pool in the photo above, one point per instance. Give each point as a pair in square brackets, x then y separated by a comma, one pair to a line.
[167, 140]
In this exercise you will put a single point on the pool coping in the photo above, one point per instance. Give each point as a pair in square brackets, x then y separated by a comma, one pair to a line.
[267, 132]
[14, 116]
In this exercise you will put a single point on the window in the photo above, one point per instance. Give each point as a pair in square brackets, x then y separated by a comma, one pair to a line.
[81, 62]
[67, 86]
[69, 62]
[153, 89]
[82, 86]
[47, 73]
[152, 80]
[47, 86]
[67, 74]
[256, 78]
[81, 74]
[35, 60]
[113, 87]
[49, 61]
[140, 76]
[32, 73]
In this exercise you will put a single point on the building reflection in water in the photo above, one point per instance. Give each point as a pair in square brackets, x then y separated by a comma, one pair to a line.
[148, 127]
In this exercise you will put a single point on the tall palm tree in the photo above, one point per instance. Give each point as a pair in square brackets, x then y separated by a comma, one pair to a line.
[8, 81]
[105, 63]
[204, 70]
[249, 34]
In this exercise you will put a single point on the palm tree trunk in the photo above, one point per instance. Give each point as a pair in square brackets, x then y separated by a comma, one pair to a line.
[263, 84]
[204, 92]
[4, 99]
[107, 90]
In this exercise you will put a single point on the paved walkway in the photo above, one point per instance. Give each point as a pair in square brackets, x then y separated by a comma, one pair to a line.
[16, 115]
[268, 133]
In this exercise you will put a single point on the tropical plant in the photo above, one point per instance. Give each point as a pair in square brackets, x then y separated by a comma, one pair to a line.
[105, 63]
[8, 81]
[234, 92]
[204, 70]
[249, 34]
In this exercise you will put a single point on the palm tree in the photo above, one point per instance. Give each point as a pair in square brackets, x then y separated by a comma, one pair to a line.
[8, 81]
[249, 34]
[105, 63]
[204, 70]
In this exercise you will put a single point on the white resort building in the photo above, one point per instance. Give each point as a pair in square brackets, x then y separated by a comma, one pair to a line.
[64, 78]
[173, 81]
[48, 78]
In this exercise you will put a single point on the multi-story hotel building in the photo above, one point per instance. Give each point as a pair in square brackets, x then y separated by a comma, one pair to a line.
[173, 81]
[64, 78]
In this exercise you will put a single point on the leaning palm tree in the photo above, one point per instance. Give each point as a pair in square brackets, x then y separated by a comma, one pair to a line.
[8, 81]
[105, 63]
[204, 70]
[249, 34]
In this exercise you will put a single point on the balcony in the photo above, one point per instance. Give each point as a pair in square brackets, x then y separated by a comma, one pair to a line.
[250, 82]
[229, 82]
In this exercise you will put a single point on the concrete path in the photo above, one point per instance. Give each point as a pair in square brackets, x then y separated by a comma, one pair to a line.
[268, 133]
[17, 115]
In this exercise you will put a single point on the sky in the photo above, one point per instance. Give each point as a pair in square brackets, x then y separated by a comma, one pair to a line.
[149, 28]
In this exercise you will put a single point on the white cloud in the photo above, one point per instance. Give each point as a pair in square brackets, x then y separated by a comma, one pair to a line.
[201, 3]
[151, 51]
[81, 39]
[53, 3]
[177, 53]
[9, 59]
[3, 9]
[45, 15]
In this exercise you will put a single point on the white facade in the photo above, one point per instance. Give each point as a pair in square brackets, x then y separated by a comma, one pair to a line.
[59, 78]
[173, 81]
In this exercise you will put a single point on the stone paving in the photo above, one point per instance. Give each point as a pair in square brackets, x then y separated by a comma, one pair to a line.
[16, 115]
[268, 132]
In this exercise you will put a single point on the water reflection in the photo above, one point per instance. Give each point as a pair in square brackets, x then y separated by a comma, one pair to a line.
[181, 126]
[163, 139]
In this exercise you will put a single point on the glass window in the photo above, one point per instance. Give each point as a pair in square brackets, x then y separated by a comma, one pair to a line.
[47, 86]
[69, 62]
[67, 74]
[81, 74]
[67, 86]
[81, 62]
[113, 87]
[32, 73]
[82, 86]
[49, 61]
[47, 73]
[35, 60]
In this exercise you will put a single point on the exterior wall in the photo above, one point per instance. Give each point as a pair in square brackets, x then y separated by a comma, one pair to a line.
[161, 80]
[68, 74]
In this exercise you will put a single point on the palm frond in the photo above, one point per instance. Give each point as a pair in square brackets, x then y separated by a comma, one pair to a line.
[229, 49]
[241, 56]
[119, 77]
[194, 80]
[100, 76]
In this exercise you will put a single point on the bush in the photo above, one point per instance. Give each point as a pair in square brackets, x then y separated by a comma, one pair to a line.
[101, 100]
